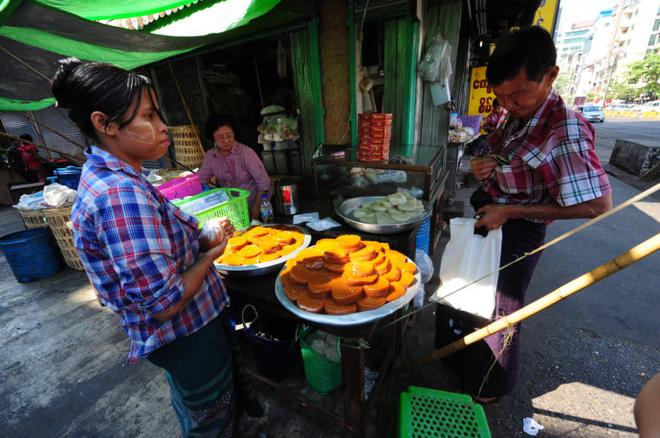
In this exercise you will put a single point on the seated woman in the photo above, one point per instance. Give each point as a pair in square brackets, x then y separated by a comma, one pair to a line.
[232, 164]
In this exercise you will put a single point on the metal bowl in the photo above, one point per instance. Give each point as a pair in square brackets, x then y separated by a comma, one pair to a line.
[265, 267]
[345, 211]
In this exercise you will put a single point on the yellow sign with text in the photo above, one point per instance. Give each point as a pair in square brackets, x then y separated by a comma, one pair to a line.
[480, 99]
[545, 15]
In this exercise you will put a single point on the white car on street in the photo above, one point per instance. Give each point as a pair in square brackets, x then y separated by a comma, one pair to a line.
[593, 113]
[648, 107]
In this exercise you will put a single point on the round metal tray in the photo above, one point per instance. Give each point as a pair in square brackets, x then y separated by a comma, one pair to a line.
[265, 267]
[345, 211]
[357, 318]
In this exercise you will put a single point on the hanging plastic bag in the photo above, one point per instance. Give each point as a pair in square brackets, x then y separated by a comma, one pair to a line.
[435, 65]
[468, 257]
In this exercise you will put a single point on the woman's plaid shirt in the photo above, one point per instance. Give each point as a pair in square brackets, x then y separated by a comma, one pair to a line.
[134, 245]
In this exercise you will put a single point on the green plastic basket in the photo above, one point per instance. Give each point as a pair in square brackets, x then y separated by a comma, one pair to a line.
[431, 413]
[322, 374]
[236, 209]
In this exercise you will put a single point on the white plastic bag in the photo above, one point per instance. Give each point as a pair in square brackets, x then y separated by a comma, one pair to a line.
[212, 233]
[58, 195]
[425, 265]
[467, 257]
[435, 65]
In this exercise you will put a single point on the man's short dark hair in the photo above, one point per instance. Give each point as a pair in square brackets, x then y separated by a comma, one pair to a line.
[217, 121]
[531, 48]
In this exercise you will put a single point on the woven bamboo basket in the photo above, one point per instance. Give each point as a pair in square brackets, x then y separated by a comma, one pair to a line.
[57, 219]
[33, 218]
[188, 148]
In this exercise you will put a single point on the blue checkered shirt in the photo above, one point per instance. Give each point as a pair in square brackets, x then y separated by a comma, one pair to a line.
[134, 245]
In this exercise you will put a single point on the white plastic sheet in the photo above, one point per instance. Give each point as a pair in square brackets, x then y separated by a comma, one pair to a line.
[467, 257]
[58, 195]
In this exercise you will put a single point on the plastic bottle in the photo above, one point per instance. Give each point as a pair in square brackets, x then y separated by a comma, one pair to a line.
[266, 210]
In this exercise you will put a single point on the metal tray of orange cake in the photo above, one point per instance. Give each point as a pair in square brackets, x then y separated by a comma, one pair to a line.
[262, 249]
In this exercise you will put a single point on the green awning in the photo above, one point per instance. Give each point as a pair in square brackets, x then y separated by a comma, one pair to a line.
[107, 10]
[36, 33]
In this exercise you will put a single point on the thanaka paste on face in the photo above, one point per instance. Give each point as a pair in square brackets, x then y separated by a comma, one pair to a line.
[141, 131]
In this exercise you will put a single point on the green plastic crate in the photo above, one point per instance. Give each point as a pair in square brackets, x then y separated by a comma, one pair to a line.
[236, 209]
[432, 413]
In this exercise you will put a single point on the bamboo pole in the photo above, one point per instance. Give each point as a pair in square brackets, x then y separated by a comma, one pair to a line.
[624, 260]
[71, 158]
[48, 128]
[30, 114]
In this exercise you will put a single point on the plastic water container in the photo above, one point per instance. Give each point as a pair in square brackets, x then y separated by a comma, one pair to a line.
[32, 254]
[424, 236]
[69, 176]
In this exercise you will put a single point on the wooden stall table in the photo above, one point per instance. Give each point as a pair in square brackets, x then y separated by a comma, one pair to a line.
[260, 292]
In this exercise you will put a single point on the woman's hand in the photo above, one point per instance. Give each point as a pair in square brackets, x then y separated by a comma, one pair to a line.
[227, 227]
[215, 251]
[483, 167]
[214, 232]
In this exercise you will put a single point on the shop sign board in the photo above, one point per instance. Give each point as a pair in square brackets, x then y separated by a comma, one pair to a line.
[546, 14]
[480, 97]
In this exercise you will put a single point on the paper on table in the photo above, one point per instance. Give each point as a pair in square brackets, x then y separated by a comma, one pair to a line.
[305, 217]
[323, 224]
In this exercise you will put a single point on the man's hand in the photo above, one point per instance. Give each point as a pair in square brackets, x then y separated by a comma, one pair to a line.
[483, 168]
[492, 216]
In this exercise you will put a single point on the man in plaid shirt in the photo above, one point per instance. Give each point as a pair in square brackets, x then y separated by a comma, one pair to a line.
[540, 166]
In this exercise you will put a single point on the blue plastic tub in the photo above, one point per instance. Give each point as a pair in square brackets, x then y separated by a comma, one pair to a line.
[32, 254]
[424, 236]
[69, 176]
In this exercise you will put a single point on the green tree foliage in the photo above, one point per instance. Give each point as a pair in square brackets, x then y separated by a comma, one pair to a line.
[563, 86]
[624, 91]
[646, 74]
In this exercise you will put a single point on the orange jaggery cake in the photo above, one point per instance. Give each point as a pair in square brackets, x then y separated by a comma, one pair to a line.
[346, 275]
[260, 244]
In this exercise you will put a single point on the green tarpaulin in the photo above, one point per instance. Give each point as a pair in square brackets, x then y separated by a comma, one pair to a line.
[34, 34]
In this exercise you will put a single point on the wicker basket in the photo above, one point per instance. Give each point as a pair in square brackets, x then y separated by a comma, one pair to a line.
[188, 149]
[57, 219]
[33, 218]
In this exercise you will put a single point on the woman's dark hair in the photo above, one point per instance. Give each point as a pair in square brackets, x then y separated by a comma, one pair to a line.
[216, 121]
[531, 48]
[85, 87]
[26, 137]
